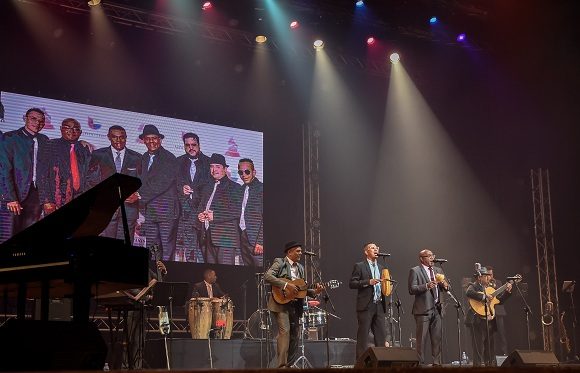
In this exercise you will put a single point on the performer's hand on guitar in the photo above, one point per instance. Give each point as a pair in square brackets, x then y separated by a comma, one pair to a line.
[318, 288]
[161, 267]
[488, 297]
[291, 289]
[508, 287]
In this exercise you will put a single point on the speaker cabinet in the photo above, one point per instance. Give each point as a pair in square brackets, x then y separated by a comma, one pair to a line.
[32, 345]
[524, 358]
[379, 357]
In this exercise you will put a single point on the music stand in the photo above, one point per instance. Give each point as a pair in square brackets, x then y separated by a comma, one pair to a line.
[165, 294]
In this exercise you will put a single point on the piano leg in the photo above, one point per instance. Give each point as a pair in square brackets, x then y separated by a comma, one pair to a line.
[21, 301]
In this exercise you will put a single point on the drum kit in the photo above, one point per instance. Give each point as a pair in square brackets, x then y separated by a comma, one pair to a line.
[207, 315]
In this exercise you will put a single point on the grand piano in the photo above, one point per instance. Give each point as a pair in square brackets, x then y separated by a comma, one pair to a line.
[63, 256]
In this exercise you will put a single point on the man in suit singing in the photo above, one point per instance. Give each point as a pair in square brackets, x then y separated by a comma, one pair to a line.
[423, 284]
[116, 158]
[370, 302]
[288, 315]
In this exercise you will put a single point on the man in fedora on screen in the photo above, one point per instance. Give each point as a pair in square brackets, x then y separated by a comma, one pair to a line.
[158, 193]
[288, 315]
[219, 213]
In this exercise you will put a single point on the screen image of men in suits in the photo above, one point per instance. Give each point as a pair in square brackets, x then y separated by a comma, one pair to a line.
[117, 158]
[251, 221]
[193, 173]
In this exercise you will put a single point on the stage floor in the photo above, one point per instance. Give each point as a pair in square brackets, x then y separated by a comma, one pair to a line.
[241, 353]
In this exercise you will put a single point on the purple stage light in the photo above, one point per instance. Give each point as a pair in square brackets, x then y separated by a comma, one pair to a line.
[461, 37]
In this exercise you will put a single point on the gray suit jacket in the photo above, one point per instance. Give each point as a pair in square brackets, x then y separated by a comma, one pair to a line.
[281, 269]
[424, 298]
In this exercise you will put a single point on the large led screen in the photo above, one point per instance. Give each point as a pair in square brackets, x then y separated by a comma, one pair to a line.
[198, 202]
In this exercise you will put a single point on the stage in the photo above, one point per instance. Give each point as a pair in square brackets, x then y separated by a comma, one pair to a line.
[241, 353]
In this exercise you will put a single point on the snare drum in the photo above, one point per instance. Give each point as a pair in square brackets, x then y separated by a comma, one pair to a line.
[222, 317]
[199, 317]
[316, 318]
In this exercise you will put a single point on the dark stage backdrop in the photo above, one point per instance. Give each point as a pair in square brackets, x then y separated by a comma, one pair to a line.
[505, 111]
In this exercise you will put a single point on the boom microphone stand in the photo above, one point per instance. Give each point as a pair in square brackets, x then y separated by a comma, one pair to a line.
[528, 312]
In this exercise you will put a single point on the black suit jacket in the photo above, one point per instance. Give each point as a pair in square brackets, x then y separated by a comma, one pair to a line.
[56, 185]
[159, 187]
[254, 211]
[16, 163]
[200, 290]
[226, 209]
[190, 204]
[424, 298]
[361, 274]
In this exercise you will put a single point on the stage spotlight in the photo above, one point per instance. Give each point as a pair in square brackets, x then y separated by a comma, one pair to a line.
[461, 38]
[294, 25]
[207, 5]
[395, 58]
[318, 44]
[94, 2]
[371, 40]
[433, 20]
[261, 39]
[360, 3]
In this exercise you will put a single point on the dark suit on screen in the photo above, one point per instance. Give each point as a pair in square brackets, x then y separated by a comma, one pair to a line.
[101, 166]
[189, 227]
[253, 217]
[427, 312]
[159, 201]
[222, 238]
[370, 314]
[16, 184]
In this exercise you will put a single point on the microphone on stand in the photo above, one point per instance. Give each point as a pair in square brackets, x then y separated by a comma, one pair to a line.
[440, 260]
[309, 253]
[478, 268]
[383, 254]
[514, 278]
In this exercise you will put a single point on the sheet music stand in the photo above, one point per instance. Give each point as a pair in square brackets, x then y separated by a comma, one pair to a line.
[169, 293]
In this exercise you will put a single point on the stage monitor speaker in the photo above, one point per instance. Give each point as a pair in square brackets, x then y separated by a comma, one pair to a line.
[33, 345]
[524, 358]
[379, 357]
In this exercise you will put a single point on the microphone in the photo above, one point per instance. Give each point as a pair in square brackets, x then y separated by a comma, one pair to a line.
[383, 254]
[478, 268]
[440, 260]
[309, 253]
[513, 278]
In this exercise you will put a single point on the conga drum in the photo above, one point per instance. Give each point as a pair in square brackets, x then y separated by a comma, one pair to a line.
[222, 317]
[199, 317]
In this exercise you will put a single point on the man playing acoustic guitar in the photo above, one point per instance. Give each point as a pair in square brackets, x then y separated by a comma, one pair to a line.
[289, 310]
[483, 349]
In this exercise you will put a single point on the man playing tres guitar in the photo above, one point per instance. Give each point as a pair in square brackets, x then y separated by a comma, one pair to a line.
[288, 315]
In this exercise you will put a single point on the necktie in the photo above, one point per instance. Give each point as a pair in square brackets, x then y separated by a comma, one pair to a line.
[208, 205]
[436, 290]
[377, 286]
[192, 169]
[209, 291]
[150, 161]
[244, 203]
[34, 159]
[118, 163]
[74, 168]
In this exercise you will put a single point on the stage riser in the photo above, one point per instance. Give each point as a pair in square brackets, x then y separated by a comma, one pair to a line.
[241, 353]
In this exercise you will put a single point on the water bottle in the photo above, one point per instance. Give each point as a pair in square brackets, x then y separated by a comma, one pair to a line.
[106, 367]
[464, 359]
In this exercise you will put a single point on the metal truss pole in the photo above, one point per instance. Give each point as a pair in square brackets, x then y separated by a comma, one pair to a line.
[310, 139]
[546, 258]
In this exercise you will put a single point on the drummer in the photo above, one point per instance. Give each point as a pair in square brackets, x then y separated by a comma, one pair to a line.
[208, 288]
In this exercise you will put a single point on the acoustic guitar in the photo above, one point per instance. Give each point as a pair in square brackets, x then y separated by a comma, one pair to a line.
[281, 296]
[479, 307]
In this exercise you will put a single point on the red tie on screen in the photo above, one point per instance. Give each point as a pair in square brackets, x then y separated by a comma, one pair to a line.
[74, 168]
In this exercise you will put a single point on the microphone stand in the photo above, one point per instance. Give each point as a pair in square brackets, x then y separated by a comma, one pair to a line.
[528, 312]
[487, 312]
[400, 311]
[458, 307]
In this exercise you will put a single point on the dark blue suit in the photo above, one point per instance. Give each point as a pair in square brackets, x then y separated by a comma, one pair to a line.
[101, 166]
[159, 201]
[16, 172]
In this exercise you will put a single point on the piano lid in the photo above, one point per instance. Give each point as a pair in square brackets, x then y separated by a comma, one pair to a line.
[86, 215]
